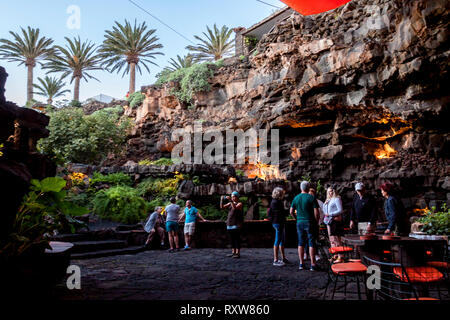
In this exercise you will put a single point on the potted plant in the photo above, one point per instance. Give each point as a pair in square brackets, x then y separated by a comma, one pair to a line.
[434, 224]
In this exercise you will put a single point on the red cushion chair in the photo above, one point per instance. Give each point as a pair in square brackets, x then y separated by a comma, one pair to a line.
[337, 250]
[348, 268]
[418, 274]
[439, 264]
[421, 298]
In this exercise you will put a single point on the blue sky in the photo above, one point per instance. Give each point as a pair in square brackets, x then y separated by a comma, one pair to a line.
[188, 17]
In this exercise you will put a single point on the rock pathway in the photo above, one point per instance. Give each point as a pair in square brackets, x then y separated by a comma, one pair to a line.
[199, 274]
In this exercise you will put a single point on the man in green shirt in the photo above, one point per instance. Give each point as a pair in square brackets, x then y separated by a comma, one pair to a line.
[305, 209]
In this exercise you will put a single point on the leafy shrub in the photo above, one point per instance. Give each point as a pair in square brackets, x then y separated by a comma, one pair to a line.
[121, 204]
[193, 79]
[159, 162]
[115, 179]
[213, 212]
[152, 187]
[75, 104]
[75, 137]
[436, 222]
[44, 209]
[136, 99]
[116, 110]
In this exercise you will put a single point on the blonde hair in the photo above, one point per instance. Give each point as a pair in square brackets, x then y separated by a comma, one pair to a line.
[278, 193]
[335, 194]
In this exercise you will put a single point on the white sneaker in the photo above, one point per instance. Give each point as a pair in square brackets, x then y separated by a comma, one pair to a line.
[278, 263]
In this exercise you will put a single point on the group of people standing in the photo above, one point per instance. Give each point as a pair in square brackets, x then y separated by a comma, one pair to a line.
[308, 211]
[172, 216]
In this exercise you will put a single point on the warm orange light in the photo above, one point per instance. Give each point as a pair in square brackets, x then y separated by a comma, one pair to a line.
[264, 171]
[420, 212]
[295, 154]
[232, 180]
[386, 152]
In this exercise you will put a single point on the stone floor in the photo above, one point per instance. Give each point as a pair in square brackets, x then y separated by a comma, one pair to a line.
[198, 274]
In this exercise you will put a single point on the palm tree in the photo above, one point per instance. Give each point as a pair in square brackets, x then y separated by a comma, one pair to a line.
[76, 59]
[130, 46]
[181, 62]
[27, 49]
[50, 88]
[216, 45]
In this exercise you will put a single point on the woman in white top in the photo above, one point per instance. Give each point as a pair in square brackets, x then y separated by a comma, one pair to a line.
[332, 209]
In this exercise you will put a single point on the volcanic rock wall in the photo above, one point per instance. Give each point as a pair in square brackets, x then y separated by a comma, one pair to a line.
[20, 129]
[358, 93]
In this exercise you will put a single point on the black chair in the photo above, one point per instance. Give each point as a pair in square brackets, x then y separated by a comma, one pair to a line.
[343, 273]
[393, 281]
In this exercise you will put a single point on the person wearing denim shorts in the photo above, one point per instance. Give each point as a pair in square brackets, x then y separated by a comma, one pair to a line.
[172, 212]
[307, 215]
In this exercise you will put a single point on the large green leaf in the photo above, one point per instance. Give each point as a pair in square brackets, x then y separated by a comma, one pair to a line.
[53, 184]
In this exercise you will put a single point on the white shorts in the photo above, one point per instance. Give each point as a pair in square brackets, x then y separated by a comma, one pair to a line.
[189, 228]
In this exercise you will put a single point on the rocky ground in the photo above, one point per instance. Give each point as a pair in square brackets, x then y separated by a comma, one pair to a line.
[200, 274]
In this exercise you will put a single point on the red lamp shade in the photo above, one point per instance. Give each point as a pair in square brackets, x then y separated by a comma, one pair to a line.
[308, 7]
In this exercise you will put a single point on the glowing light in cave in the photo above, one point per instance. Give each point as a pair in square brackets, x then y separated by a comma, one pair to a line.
[264, 171]
[295, 153]
[386, 152]
[420, 212]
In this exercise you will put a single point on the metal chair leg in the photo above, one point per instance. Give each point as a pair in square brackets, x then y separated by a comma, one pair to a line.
[335, 284]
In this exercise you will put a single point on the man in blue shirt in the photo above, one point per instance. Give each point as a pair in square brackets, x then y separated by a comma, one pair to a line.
[190, 214]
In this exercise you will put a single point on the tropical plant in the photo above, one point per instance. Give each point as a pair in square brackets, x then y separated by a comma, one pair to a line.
[164, 188]
[115, 179]
[76, 137]
[136, 99]
[215, 45]
[27, 50]
[182, 62]
[120, 203]
[77, 59]
[436, 222]
[130, 46]
[191, 80]
[44, 209]
[50, 87]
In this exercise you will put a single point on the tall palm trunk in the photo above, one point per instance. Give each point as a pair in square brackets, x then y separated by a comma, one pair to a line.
[49, 101]
[132, 77]
[30, 82]
[76, 90]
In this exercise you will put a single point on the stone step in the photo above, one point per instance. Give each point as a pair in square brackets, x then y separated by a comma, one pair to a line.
[106, 253]
[75, 237]
[91, 246]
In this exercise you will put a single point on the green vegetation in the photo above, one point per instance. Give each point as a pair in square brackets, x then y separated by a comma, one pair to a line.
[75, 137]
[75, 104]
[136, 99]
[27, 49]
[215, 44]
[436, 222]
[181, 62]
[159, 162]
[120, 203]
[50, 87]
[129, 47]
[250, 41]
[44, 209]
[76, 60]
[164, 188]
[191, 80]
[114, 179]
